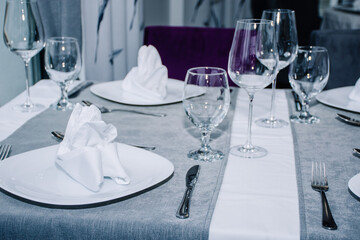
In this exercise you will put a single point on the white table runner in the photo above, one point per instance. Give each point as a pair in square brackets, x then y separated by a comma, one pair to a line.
[258, 198]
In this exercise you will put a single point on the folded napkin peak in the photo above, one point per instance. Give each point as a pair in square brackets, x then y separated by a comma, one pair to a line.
[88, 153]
[148, 79]
[355, 93]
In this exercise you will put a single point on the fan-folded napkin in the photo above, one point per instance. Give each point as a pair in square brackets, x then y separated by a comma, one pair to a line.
[148, 79]
[355, 93]
[88, 153]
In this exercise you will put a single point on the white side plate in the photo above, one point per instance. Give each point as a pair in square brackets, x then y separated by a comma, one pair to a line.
[34, 176]
[354, 186]
[339, 98]
[113, 91]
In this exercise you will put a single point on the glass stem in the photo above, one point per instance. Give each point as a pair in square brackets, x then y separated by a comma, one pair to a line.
[272, 106]
[248, 143]
[28, 104]
[205, 139]
[64, 97]
[304, 110]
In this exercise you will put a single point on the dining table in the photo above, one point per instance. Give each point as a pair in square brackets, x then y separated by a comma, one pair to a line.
[234, 198]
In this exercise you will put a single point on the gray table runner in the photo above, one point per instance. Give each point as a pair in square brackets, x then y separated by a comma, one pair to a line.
[150, 215]
[330, 141]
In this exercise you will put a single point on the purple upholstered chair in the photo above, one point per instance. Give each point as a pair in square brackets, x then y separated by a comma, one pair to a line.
[182, 48]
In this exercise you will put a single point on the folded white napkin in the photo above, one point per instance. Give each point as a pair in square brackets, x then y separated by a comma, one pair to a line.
[149, 78]
[355, 93]
[88, 153]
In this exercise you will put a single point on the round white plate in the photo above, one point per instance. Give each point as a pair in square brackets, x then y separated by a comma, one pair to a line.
[354, 186]
[339, 98]
[34, 176]
[113, 91]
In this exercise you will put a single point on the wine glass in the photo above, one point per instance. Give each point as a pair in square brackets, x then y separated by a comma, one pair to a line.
[308, 75]
[287, 45]
[23, 34]
[63, 64]
[206, 101]
[252, 66]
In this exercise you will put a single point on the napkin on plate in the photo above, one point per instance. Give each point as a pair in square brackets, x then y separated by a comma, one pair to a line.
[355, 93]
[88, 153]
[148, 79]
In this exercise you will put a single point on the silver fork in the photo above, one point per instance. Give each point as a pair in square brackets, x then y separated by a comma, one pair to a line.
[320, 184]
[4, 151]
[108, 110]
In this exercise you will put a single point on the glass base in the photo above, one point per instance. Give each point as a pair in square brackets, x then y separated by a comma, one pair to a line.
[248, 151]
[208, 155]
[29, 108]
[305, 120]
[63, 106]
[268, 123]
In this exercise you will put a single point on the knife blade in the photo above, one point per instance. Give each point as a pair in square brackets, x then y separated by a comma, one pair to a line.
[192, 176]
[76, 90]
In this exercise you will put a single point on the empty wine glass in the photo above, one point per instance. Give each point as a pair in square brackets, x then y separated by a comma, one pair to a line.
[207, 109]
[287, 44]
[23, 34]
[63, 64]
[252, 65]
[308, 75]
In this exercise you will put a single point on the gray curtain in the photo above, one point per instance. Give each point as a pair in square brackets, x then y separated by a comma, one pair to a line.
[60, 18]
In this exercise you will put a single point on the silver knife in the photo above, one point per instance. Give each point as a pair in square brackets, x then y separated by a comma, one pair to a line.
[76, 90]
[191, 178]
[297, 101]
[349, 120]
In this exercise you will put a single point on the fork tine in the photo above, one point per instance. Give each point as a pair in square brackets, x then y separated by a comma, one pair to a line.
[324, 175]
[1, 151]
[4, 151]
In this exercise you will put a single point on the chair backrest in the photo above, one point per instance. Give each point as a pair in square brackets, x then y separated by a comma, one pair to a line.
[182, 48]
[344, 53]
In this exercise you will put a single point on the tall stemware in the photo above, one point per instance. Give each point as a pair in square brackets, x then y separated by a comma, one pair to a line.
[23, 34]
[308, 75]
[287, 45]
[63, 65]
[206, 100]
[252, 65]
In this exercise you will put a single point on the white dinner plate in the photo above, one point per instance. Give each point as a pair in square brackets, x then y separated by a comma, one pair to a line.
[339, 98]
[354, 186]
[34, 176]
[113, 91]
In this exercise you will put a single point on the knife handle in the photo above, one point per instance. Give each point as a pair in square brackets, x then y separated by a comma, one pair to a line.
[183, 210]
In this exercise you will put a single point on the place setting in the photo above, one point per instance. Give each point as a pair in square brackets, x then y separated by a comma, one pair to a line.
[110, 170]
[147, 84]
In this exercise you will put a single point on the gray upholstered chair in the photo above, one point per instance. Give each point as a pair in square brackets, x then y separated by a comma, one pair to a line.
[344, 53]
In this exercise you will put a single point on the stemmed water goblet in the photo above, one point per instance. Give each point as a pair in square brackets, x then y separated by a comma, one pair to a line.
[308, 75]
[252, 65]
[206, 100]
[63, 64]
[287, 45]
[23, 34]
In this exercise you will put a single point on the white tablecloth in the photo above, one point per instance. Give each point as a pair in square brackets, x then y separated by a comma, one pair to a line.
[258, 198]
